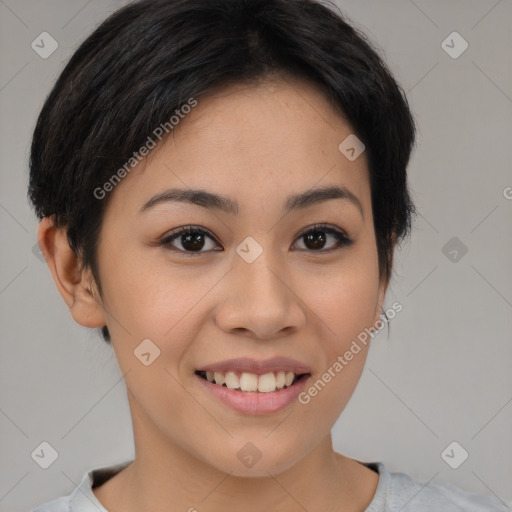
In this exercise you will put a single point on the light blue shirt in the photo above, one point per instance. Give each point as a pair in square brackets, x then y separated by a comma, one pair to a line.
[396, 492]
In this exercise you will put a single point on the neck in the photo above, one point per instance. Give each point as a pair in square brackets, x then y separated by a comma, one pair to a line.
[164, 474]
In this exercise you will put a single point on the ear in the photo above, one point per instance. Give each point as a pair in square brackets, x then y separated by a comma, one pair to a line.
[76, 287]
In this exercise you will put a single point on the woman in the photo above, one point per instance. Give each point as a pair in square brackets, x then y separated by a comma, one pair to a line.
[221, 186]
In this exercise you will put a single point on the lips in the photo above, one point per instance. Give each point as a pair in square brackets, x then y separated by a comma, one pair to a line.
[267, 398]
[258, 367]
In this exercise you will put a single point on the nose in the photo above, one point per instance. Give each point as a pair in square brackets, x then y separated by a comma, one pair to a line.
[259, 300]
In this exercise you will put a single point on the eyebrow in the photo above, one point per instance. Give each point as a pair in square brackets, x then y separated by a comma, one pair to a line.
[214, 201]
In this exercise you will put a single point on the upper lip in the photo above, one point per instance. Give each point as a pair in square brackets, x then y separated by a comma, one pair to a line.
[259, 367]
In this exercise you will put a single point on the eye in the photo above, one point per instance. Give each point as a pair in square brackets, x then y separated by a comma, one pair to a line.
[316, 236]
[191, 238]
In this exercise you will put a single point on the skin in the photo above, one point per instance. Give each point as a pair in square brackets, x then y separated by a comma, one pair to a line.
[256, 144]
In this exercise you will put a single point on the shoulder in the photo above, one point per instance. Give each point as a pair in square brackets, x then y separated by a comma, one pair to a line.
[409, 495]
[74, 502]
[82, 498]
[57, 505]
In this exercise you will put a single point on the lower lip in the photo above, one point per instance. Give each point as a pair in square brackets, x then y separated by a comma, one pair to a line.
[249, 402]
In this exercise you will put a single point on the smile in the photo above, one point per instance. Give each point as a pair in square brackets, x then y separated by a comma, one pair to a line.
[253, 393]
[251, 382]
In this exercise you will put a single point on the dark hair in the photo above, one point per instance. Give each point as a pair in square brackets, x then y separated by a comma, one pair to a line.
[148, 58]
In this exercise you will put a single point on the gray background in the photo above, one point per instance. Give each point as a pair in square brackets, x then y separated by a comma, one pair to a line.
[443, 375]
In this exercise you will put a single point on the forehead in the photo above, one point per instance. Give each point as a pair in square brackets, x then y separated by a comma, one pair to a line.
[256, 143]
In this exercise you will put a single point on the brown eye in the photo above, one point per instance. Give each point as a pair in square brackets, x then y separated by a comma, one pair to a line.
[315, 239]
[191, 239]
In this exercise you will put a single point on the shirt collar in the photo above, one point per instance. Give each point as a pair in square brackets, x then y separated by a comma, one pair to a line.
[82, 499]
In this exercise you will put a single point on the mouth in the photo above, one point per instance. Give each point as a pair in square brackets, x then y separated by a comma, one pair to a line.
[246, 382]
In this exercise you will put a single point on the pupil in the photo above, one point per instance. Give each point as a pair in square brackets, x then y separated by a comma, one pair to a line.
[317, 238]
[195, 241]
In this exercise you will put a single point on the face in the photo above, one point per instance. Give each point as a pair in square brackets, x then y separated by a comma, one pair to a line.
[253, 289]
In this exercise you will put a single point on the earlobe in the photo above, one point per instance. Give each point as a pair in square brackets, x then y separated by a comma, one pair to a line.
[75, 285]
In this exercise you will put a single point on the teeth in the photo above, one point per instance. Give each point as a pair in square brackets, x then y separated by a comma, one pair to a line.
[232, 380]
[266, 383]
[281, 379]
[248, 382]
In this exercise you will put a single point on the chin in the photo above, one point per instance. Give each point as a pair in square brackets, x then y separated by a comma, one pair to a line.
[249, 461]
[258, 470]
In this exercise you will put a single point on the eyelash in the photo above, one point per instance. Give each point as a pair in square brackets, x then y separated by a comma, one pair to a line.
[342, 239]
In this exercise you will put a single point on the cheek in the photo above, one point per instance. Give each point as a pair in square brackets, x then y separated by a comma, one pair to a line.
[343, 299]
[345, 308]
[344, 302]
[147, 295]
